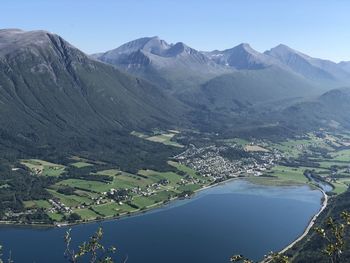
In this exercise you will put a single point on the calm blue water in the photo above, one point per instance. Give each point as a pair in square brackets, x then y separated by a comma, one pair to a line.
[236, 217]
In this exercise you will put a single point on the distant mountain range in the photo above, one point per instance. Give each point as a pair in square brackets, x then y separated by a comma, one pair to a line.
[345, 65]
[311, 68]
[173, 66]
[161, 62]
[329, 110]
[55, 97]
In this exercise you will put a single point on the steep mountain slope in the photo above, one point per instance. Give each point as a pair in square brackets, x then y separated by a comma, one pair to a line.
[226, 86]
[328, 110]
[243, 89]
[173, 66]
[51, 82]
[280, 119]
[242, 56]
[311, 68]
[53, 94]
[345, 65]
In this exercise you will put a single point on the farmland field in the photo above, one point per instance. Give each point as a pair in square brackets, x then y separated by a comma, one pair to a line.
[44, 168]
[112, 209]
[70, 200]
[289, 174]
[81, 164]
[86, 213]
[183, 168]
[55, 216]
[156, 176]
[92, 191]
[164, 138]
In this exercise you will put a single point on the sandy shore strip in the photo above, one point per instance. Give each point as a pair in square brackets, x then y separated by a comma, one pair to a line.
[307, 229]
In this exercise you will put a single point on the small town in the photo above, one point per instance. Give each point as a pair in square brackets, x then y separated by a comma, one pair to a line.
[209, 162]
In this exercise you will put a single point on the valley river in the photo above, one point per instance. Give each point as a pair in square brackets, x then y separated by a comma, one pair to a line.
[236, 217]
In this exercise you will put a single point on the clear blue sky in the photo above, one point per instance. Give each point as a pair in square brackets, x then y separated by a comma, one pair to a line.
[320, 28]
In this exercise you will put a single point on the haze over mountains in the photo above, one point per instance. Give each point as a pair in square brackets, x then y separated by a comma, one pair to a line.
[153, 54]
[54, 96]
[231, 80]
[311, 68]
[174, 66]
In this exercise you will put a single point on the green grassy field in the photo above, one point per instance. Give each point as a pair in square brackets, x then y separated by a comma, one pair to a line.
[142, 201]
[164, 138]
[189, 187]
[55, 216]
[342, 156]
[70, 200]
[44, 168]
[81, 164]
[110, 172]
[139, 134]
[156, 176]
[86, 213]
[238, 141]
[293, 148]
[271, 181]
[161, 196]
[183, 168]
[339, 187]
[345, 181]
[87, 194]
[289, 174]
[112, 209]
[93, 186]
[125, 180]
[86, 190]
[37, 204]
[329, 164]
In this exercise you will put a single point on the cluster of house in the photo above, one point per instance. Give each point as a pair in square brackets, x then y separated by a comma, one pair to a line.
[209, 162]
[190, 180]
[113, 195]
[58, 206]
[122, 195]
[119, 195]
[153, 188]
[39, 170]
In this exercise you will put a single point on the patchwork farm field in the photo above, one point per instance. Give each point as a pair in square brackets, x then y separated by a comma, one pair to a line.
[310, 152]
[89, 193]
[90, 189]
